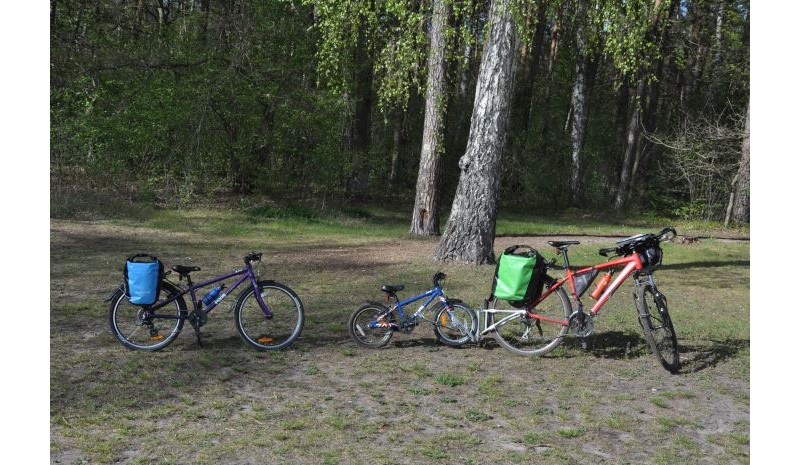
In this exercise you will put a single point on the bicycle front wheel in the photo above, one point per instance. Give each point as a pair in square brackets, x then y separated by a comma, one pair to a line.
[522, 334]
[456, 326]
[281, 328]
[139, 328]
[657, 326]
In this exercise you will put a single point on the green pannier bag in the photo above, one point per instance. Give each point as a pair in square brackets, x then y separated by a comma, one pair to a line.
[519, 277]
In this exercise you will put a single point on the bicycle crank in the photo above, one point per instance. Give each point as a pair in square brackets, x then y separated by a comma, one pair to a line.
[581, 324]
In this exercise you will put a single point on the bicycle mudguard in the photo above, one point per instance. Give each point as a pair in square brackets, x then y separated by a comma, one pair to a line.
[116, 292]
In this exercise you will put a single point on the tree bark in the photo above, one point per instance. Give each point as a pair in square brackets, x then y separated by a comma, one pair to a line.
[359, 130]
[533, 71]
[469, 234]
[630, 149]
[739, 205]
[554, 43]
[425, 217]
[397, 138]
[578, 120]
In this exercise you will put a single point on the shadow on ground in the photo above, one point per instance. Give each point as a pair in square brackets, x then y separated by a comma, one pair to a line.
[697, 358]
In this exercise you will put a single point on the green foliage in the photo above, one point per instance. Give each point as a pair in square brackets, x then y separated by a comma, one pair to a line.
[179, 105]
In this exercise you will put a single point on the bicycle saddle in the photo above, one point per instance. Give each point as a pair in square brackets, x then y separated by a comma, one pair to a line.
[392, 289]
[562, 244]
[181, 269]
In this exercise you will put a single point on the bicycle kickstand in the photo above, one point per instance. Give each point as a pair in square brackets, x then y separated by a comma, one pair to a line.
[195, 321]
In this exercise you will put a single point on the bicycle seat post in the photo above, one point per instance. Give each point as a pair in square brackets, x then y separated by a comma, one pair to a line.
[566, 257]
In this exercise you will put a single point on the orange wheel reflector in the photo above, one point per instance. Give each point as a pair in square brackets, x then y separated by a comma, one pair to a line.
[264, 340]
[157, 337]
[443, 319]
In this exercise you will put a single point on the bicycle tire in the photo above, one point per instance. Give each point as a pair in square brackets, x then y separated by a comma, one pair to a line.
[128, 326]
[659, 331]
[450, 328]
[359, 326]
[282, 328]
[514, 334]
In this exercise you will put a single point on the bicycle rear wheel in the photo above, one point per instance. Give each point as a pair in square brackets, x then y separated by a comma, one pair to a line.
[138, 328]
[278, 331]
[456, 326]
[524, 335]
[657, 326]
[363, 328]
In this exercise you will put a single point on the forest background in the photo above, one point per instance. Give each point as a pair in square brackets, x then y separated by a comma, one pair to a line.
[609, 106]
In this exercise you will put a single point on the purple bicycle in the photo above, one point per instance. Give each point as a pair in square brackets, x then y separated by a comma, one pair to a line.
[268, 315]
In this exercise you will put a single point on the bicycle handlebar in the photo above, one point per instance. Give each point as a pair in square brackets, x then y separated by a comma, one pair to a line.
[663, 234]
[253, 256]
[667, 233]
[438, 277]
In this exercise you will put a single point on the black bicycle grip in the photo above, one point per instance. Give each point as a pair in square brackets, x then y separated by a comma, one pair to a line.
[253, 256]
[665, 231]
[438, 277]
[605, 252]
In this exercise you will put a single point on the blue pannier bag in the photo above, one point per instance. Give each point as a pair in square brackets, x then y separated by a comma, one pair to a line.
[143, 275]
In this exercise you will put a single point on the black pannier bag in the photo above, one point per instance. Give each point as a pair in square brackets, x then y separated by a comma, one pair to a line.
[143, 275]
[519, 276]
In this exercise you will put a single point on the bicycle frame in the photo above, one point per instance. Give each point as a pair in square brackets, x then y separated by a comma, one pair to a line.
[631, 263]
[245, 274]
[430, 295]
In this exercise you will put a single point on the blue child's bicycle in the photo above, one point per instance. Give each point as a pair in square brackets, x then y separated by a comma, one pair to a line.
[373, 324]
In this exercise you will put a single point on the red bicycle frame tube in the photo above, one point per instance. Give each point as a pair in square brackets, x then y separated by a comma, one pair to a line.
[631, 263]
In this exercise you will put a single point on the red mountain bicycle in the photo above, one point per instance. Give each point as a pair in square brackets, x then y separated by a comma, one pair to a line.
[541, 326]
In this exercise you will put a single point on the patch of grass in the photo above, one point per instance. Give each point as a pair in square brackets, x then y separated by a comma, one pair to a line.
[570, 432]
[450, 380]
[669, 423]
[283, 212]
[534, 438]
[312, 370]
[418, 369]
[542, 411]
[659, 402]
[436, 454]
[619, 420]
[476, 416]
[491, 386]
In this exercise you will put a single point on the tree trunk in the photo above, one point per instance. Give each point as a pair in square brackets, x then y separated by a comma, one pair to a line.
[578, 120]
[361, 130]
[469, 234]
[554, 43]
[630, 149]
[397, 137]
[538, 38]
[425, 218]
[739, 205]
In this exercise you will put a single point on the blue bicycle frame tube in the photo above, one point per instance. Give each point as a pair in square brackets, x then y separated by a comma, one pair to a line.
[432, 294]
